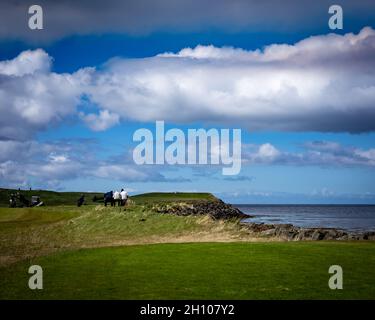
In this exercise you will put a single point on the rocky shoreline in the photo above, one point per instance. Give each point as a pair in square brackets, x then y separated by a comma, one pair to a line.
[290, 232]
[220, 210]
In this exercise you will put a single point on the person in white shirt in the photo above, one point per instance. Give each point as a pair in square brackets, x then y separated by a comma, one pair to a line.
[117, 198]
[124, 197]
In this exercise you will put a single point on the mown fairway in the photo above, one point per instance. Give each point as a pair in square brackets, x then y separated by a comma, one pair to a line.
[199, 271]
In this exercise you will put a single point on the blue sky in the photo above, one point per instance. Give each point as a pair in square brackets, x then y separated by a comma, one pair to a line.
[327, 156]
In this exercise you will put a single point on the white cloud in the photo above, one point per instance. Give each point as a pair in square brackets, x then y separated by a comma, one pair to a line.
[267, 151]
[27, 62]
[102, 121]
[368, 155]
[32, 97]
[316, 153]
[323, 83]
[211, 52]
[318, 49]
[58, 158]
[260, 154]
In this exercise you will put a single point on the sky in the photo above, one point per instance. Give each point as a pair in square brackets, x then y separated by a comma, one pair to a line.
[73, 94]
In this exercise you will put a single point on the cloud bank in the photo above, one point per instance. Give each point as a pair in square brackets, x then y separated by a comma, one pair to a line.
[47, 164]
[314, 153]
[323, 83]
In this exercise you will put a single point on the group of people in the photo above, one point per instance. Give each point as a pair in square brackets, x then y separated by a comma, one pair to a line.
[19, 200]
[120, 198]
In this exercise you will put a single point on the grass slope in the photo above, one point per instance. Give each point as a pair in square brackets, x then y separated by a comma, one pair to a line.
[30, 232]
[200, 271]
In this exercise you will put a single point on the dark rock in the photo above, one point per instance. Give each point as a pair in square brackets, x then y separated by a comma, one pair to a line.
[369, 235]
[216, 209]
[317, 235]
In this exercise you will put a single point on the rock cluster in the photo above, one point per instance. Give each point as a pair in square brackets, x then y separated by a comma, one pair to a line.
[216, 209]
[292, 233]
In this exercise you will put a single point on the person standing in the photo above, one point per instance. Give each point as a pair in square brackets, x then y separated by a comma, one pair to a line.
[80, 201]
[124, 197]
[117, 198]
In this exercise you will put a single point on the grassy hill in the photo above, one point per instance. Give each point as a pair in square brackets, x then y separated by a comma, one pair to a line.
[53, 198]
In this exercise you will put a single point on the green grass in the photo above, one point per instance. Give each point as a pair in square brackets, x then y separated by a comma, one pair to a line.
[168, 197]
[50, 198]
[199, 271]
[15, 219]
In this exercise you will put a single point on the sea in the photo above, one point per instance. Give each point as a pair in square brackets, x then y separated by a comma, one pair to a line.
[344, 217]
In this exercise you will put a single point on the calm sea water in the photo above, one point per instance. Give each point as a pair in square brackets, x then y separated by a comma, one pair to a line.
[347, 217]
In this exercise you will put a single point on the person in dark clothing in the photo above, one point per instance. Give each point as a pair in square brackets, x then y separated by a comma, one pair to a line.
[81, 200]
[24, 201]
[108, 197]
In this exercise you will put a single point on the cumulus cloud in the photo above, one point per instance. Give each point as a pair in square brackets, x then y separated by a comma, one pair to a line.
[265, 153]
[323, 83]
[32, 97]
[27, 62]
[101, 121]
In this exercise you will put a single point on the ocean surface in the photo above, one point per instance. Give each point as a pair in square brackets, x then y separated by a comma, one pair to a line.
[346, 217]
